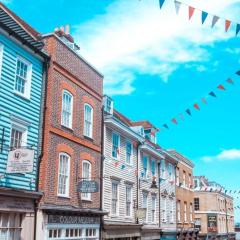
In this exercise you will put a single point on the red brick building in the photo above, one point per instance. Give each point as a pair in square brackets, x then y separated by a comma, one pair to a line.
[71, 143]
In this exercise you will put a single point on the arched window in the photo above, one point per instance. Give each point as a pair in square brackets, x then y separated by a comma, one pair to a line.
[63, 174]
[67, 109]
[88, 120]
[86, 175]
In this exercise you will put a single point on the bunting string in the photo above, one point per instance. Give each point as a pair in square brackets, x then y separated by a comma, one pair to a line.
[197, 105]
[204, 15]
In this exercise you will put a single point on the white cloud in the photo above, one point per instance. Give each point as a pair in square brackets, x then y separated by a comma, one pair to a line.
[224, 155]
[6, 1]
[135, 37]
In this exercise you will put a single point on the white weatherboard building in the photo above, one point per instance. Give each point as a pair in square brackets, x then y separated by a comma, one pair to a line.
[133, 164]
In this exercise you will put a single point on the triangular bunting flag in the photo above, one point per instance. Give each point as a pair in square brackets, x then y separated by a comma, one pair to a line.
[190, 11]
[212, 94]
[196, 106]
[181, 116]
[237, 29]
[204, 16]
[161, 2]
[227, 25]
[238, 73]
[166, 126]
[214, 20]
[229, 80]
[188, 112]
[221, 87]
[177, 6]
[174, 120]
[204, 100]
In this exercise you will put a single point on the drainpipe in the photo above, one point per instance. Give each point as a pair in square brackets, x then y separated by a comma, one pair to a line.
[101, 173]
[137, 177]
[42, 126]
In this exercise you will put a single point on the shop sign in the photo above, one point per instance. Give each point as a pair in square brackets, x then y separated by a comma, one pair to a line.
[62, 219]
[88, 186]
[16, 204]
[212, 223]
[141, 213]
[20, 161]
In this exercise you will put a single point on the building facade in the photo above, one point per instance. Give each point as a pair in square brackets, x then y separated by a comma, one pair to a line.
[71, 144]
[22, 80]
[133, 163]
[214, 211]
[184, 197]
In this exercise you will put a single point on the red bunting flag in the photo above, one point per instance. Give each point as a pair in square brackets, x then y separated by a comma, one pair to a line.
[204, 100]
[221, 87]
[227, 25]
[191, 11]
[116, 164]
[229, 80]
[174, 120]
[196, 106]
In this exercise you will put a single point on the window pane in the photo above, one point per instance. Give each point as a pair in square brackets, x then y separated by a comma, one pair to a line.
[63, 177]
[88, 120]
[21, 77]
[67, 109]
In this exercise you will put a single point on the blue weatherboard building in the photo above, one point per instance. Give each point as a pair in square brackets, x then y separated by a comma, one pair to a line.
[22, 81]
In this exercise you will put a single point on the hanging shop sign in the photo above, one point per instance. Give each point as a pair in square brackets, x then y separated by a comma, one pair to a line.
[212, 223]
[141, 213]
[88, 186]
[20, 161]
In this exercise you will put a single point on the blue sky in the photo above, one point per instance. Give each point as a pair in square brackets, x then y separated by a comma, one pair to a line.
[157, 64]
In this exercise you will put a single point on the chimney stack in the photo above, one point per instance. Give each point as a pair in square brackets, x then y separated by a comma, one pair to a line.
[67, 29]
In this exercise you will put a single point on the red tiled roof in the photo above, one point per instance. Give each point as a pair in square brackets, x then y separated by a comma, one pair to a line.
[21, 22]
[145, 123]
[122, 118]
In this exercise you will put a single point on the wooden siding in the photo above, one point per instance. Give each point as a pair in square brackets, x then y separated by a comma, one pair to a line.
[25, 109]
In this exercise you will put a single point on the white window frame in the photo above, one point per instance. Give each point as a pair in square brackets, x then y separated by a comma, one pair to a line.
[27, 88]
[191, 212]
[185, 212]
[117, 200]
[177, 176]
[131, 153]
[146, 168]
[145, 194]
[71, 107]
[179, 211]
[86, 196]
[85, 130]
[153, 215]
[68, 174]
[118, 147]
[23, 128]
[129, 187]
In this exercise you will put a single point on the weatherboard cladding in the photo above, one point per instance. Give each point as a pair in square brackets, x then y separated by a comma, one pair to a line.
[14, 105]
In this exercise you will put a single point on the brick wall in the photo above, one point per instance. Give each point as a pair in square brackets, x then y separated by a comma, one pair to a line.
[68, 71]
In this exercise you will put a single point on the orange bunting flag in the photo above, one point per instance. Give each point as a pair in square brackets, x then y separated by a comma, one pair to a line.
[196, 106]
[174, 120]
[221, 87]
[227, 25]
[191, 11]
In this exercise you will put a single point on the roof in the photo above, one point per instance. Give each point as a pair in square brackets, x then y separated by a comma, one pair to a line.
[180, 157]
[22, 31]
[122, 118]
[145, 123]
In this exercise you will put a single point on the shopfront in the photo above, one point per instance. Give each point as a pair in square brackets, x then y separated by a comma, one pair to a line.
[16, 218]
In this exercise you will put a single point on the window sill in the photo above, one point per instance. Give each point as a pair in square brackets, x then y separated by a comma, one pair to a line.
[87, 200]
[21, 95]
[115, 159]
[62, 196]
[66, 128]
[88, 138]
[129, 165]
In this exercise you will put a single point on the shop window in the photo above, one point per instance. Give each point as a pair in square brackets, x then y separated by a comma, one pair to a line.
[10, 226]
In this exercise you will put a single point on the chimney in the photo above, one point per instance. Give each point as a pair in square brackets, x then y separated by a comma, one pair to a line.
[62, 29]
[67, 29]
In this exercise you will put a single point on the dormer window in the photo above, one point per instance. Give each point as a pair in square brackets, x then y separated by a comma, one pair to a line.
[150, 135]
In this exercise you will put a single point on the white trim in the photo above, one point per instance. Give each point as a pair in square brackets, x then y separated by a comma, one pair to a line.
[68, 179]
[119, 145]
[27, 87]
[71, 116]
[215, 212]
[88, 195]
[91, 126]
[1, 59]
